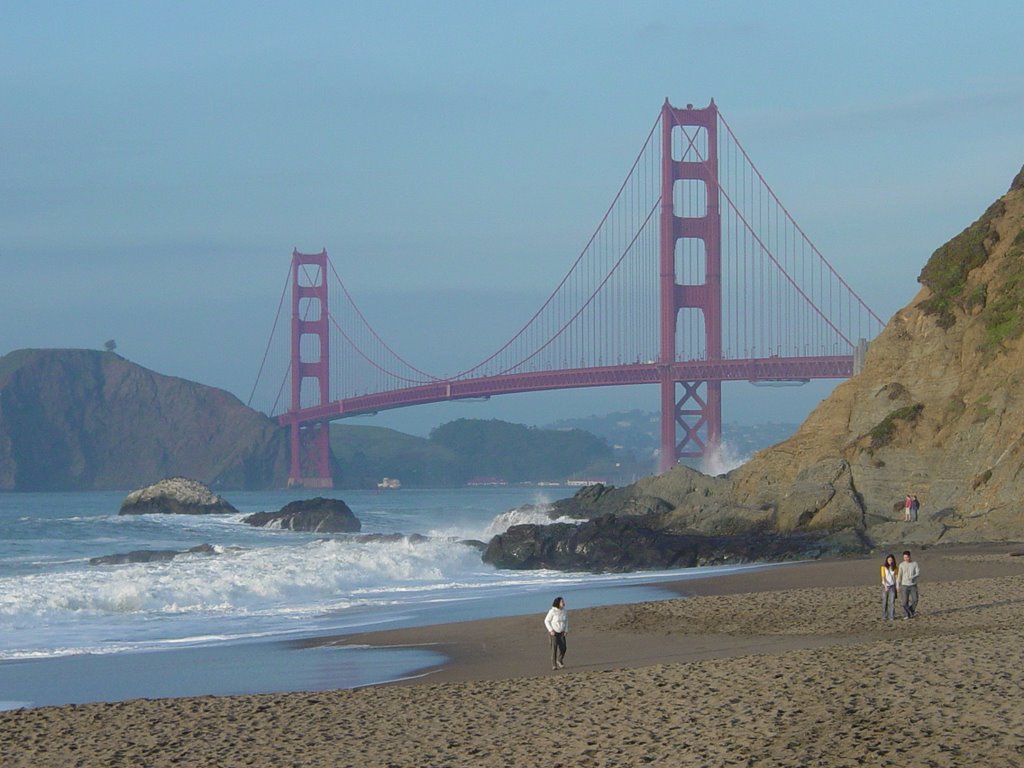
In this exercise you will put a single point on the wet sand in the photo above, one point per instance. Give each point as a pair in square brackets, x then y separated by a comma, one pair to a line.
[788, 666]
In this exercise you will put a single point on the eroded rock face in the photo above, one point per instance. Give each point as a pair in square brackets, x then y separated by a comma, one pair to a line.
[317, 515]
[938, 410]
[599, 499]
[175, 496]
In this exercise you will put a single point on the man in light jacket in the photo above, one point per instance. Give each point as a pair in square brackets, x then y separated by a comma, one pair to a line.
[906, 584]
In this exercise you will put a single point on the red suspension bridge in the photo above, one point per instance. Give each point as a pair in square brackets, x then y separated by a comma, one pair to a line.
[695, 275]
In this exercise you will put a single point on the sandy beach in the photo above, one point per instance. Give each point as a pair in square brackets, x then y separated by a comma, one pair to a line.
[789, 666]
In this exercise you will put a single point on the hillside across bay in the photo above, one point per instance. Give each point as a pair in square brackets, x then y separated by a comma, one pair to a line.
[74, 419]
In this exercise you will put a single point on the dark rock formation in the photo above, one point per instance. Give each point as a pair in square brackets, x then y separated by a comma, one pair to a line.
[150, 555]
[599, 499]
[175, 496]
[612, 543]
[317, 515]
[74, 419]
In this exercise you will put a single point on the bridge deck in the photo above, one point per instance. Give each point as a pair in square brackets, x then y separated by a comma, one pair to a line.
[754, 369]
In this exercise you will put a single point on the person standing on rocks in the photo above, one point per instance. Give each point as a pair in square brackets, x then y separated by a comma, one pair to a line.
[889, 587]
[906, 508]
[557, 624]
[915, 505]
[906, 583]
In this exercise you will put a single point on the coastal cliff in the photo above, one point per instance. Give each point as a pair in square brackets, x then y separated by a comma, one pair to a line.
[937, 411]
[73, 419]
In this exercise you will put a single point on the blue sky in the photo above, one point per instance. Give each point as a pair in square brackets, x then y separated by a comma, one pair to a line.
[159, 161]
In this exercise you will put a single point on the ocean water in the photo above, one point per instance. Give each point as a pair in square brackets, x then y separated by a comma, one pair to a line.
[227, 623]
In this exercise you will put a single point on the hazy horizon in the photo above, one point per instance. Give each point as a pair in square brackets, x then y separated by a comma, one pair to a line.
[162, 161]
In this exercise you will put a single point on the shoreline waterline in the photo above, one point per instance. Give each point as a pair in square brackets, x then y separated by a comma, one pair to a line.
[796, 660]
[320, 659]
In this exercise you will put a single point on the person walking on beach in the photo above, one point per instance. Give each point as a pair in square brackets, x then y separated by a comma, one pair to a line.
[557, 624]
[889, 587]
[906, 584]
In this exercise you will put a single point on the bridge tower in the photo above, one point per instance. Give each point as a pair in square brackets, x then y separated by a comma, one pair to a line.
[310, 442]
[697, 413]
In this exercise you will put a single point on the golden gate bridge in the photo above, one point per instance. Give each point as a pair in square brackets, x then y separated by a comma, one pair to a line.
[696, 274]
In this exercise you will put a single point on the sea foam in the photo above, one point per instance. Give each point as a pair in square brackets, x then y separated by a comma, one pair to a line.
[530, 515]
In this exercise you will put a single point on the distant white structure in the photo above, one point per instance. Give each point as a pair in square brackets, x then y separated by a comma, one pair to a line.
[389, 483]
[486, 481]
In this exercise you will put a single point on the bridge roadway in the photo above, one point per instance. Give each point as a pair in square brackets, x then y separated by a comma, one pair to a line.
[442, 390]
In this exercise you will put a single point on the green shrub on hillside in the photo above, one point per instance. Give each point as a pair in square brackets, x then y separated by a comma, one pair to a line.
[885, 430]
[955, 408]
[982, 411]
[947, 269]
[1003, 315]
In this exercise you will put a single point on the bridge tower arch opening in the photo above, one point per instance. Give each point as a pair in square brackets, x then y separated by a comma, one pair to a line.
[691, 420]
[310, 370]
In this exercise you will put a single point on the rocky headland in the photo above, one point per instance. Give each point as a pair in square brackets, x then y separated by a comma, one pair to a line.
[936, 412]
[75, 419]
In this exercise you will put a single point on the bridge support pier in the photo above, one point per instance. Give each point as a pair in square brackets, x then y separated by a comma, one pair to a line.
[696, 415]
[310, 364]
[310, 456]
[694, 132]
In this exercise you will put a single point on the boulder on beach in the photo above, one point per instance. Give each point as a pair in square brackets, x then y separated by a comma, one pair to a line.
[317, 515]
[175, 496]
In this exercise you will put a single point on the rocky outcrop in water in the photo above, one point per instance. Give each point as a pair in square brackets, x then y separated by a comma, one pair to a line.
[599, 499]
[612, 543]
[175, 496]
[317, 515]
[151, 555]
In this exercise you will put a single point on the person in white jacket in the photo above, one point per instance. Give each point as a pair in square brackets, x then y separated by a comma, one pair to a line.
[557, 624]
